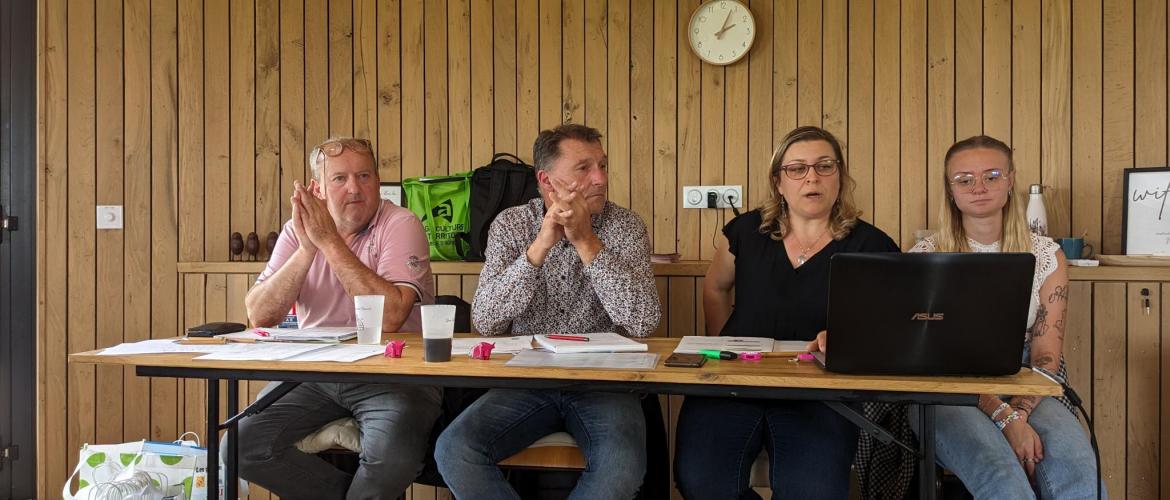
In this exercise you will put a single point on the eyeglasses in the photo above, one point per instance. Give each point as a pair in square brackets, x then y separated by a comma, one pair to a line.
[334, 148]
[992, 179]
[798, 171]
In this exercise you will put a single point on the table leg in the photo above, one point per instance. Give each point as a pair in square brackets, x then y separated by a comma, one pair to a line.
[232, 477]
[927, 485]
[212, 438]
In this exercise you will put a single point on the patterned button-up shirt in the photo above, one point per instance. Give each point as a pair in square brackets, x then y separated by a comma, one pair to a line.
[614, 293]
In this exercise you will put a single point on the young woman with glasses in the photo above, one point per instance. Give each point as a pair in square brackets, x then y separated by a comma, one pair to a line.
[776, 259]
[1009, 447]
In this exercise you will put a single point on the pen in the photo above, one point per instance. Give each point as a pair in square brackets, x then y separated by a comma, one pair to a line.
[715, 354]
[577, 338]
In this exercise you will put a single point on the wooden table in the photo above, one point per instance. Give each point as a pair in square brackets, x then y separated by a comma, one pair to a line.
[770, 378]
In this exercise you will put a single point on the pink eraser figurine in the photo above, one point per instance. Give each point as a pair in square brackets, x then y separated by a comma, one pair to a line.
[482, 350]
[750, 356]
[394, 348]
[805, 357]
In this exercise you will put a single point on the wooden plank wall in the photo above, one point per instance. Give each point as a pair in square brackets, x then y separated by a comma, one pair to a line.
[196, 116]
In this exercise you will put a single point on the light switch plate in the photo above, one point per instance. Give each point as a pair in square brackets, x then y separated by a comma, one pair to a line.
[696, 196]
[109, 216]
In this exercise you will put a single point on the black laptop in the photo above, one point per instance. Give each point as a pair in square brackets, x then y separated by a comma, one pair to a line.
[928, 313]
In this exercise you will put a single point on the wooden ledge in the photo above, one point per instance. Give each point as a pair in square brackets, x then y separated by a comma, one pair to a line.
[686, 268]
[692, 268]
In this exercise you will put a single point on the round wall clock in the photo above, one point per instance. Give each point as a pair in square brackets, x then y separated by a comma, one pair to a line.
[721, 31]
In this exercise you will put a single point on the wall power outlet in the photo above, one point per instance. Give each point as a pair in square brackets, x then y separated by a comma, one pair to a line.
[697, 196]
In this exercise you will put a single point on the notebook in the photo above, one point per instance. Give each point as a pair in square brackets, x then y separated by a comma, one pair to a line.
[598, 342]
[326, 334]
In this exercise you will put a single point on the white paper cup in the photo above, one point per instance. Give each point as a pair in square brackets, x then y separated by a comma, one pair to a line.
[368, 311]
[438, 327]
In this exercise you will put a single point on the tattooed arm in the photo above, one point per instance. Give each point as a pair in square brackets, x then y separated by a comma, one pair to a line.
[1048, 330]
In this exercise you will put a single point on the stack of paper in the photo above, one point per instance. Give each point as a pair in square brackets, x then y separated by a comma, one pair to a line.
[326, 334]
[617, 361]
[160, 346]
[261, 352]
[598, 342]
[693, 344]
[340, 353]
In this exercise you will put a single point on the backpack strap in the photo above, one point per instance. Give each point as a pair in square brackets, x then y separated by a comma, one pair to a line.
[505, 156]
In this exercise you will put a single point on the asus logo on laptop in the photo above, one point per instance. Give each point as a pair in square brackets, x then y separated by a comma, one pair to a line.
[927, 317]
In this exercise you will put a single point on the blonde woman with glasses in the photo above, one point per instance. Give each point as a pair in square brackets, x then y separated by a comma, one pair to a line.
[775, 260]
[1009, 447]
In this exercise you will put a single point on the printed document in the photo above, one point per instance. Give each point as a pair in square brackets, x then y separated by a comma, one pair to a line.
[340, 353]
[693, 344]
[267, 351]
[616, 361]
[160, 346]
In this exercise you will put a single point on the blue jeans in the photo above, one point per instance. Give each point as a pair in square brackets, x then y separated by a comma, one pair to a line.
[810, 448]
[968, 444]
[609, 429]
[395, 424]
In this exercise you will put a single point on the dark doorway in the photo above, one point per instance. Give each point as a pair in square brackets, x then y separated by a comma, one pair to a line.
[18, 249]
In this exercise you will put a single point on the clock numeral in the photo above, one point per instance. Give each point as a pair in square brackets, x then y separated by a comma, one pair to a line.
[700, 45]
[702, 19]
[744, 45]
[745, 19]
[732, 54]
[696, 31]
[720, 57]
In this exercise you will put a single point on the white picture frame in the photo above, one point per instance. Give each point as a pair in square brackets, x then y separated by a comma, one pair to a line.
[1145, 226]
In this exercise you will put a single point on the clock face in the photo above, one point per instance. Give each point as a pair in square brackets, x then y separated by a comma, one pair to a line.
[722, 31]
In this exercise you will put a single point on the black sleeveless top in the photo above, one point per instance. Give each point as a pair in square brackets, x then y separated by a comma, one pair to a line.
[774, 300]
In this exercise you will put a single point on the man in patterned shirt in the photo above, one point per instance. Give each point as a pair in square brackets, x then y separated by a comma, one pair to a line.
[581, 265]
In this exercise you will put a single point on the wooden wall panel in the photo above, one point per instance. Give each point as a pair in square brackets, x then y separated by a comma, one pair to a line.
[1143, 348]
[1109, 378]
[197, 115]
[136, 196]
[108, 169]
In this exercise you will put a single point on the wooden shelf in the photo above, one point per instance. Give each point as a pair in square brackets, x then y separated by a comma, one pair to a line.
[691, 268]
[683, 268]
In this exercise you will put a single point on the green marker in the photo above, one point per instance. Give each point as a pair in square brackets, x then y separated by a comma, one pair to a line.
[715, 354]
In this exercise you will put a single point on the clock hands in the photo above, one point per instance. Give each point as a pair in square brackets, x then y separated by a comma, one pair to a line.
[723, 27]
[719, 34]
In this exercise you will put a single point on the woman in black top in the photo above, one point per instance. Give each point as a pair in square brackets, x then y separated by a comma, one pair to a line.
[776, 259]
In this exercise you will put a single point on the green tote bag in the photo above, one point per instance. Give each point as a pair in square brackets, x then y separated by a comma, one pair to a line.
[441, 203]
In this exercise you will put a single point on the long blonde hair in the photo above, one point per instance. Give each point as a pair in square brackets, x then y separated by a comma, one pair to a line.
[774, 210]
[951, 236]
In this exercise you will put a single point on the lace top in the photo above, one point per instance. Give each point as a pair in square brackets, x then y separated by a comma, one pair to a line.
[1042, 247]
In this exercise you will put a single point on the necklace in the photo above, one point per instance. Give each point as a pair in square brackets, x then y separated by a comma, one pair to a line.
[803, 257]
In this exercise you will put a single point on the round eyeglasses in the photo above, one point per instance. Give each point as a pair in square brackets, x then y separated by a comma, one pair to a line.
[798, 171]
[992, 179]
[335, 147]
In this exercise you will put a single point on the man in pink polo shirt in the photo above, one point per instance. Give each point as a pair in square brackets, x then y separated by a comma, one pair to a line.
[342, 241]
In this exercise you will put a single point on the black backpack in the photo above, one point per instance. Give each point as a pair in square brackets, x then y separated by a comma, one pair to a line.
[503, 183]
